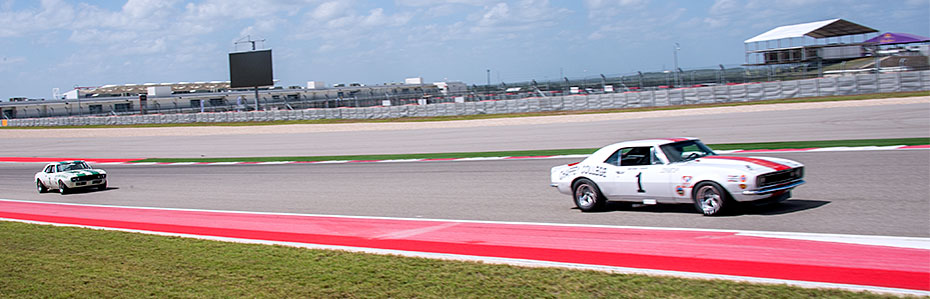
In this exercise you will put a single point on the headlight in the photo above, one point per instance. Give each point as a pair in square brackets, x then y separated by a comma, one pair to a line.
[103, 176]
[74, 179]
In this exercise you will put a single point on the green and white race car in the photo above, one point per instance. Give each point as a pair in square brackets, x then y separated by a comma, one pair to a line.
[69, 175]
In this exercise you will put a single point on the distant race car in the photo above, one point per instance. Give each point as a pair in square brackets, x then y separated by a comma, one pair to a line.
[675, 170]
[69, 175]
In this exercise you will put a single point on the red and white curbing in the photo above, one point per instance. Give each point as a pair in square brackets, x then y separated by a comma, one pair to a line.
[129, 161]
[895, 264]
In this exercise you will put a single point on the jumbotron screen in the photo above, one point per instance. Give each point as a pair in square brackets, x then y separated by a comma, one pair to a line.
[250, 69]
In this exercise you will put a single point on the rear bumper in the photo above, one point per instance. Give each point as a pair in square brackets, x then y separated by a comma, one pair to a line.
[563, 187]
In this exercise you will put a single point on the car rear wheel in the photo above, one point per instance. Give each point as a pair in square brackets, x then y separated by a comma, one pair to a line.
[588, 197]
[40, 187]
[62, 188]
[711, 199]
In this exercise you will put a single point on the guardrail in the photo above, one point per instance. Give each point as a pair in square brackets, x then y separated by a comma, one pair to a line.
[831, 86]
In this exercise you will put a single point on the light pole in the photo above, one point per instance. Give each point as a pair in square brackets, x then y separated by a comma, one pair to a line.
[488, 86]
[677, 78]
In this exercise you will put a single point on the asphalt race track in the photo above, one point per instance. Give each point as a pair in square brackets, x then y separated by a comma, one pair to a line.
[863, 192]
[757, 123]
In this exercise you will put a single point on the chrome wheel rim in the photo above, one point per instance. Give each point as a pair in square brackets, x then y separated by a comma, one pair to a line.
[711, 201]
[585, 195]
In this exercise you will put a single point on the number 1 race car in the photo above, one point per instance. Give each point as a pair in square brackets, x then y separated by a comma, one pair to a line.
[677, 170]
[68, 175]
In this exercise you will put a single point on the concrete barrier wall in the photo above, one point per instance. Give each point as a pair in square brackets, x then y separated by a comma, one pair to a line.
[845, 85]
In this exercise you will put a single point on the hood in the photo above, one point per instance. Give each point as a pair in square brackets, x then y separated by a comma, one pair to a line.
[750, 164]
[85, 172]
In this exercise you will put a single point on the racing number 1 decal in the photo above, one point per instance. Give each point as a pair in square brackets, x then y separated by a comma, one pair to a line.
[639, 183]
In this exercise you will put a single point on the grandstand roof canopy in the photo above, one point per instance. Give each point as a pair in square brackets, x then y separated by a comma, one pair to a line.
[891, 38]
[821, 29]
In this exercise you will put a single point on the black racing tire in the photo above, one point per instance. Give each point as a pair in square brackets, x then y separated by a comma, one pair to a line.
[587, 196]
[62, 188]
[40, 187]
[102, 187]
[711, 199]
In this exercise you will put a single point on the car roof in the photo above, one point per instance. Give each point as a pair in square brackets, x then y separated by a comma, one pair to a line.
[608, 150]
[63, 162]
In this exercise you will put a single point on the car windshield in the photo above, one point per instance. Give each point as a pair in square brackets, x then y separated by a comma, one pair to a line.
[686, 151]
[74, 166]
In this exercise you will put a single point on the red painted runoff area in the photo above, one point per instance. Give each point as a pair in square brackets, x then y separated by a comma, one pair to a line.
[50, 160]
[916, 146]
[711, 252]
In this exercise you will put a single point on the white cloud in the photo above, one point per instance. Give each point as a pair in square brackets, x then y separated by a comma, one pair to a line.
[725, 7]
[504, 20]
[339, 25]
[605, 9]
[424, 3]
[51, 15]
[330, 10]
[656, 23]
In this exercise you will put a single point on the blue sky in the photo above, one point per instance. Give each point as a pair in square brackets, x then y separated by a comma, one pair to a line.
[61, 44]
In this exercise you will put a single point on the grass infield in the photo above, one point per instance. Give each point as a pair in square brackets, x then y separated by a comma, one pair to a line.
[42, 261]
[511, 115]
[554, 152]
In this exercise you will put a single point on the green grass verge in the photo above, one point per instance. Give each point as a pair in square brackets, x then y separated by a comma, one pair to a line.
[823, 143]
[553, 152]
[39, 261]
[494, 116]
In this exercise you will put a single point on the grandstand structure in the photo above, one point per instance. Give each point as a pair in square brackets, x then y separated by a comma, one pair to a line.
[216, 96]
[829, 40]
[137, 89]
[835, 47]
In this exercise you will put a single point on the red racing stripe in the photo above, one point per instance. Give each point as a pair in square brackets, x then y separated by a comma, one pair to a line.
[675, 139]
[777, 150]
[760, 162]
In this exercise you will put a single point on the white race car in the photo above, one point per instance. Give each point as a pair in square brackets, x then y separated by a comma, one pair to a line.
[68, 175]
[675, 170]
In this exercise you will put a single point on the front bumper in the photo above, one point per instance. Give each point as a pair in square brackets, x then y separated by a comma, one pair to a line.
[774, 189]
[82, 184]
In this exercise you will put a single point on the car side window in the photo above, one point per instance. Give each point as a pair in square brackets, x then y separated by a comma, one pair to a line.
[635, 156]
[50, 169]
[614, 159]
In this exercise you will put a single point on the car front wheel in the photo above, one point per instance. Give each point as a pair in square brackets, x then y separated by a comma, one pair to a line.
[588, 197]
[62, 188]
[710, 199]
[40, 187]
